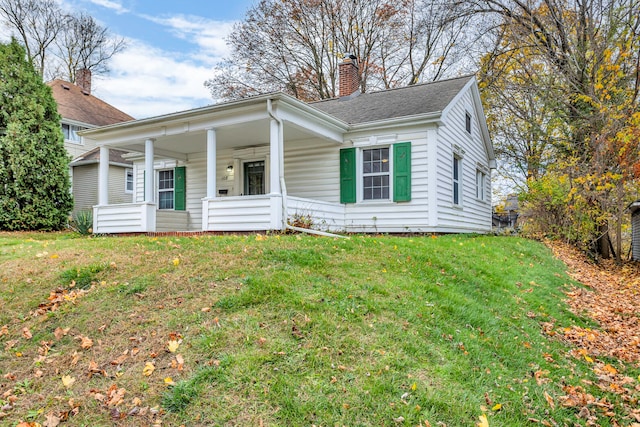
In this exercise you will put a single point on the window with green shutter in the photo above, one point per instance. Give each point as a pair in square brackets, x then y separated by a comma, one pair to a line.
[402, 172]
[180, 186]
[377, 174]
[348, 175]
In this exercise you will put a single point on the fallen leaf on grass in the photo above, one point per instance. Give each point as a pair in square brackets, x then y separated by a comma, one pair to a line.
[169, 381]
[173, 345]
[52, 420]
[497, 407]
[26, 333]
[85, 342]
[549, 400]
[176, 262]
[68, 381]
[149, 367]
[483, 421]
[59, 332]
[4, 330]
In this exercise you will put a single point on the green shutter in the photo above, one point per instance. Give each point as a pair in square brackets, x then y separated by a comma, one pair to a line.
[348, 175]
[179, 189]
[402, 172]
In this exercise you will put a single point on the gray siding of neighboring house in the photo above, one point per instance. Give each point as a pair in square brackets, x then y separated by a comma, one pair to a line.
[635, 234]
[85, 186]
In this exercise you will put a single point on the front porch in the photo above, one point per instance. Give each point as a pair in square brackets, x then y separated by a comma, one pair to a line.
[218, 170]
[243, 213]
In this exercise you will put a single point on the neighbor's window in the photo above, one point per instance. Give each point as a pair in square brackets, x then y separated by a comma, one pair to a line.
[128, 180]
[375, 174]
[480, 184]
[165, 189]
[71, 133]
[467, 121]
[457, 182]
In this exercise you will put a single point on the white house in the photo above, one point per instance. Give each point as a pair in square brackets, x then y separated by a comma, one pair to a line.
[415, 159]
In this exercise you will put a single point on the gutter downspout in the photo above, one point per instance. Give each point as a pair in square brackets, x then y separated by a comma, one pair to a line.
[283, 186]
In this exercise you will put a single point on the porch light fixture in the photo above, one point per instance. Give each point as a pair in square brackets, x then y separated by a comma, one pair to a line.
[230, 168]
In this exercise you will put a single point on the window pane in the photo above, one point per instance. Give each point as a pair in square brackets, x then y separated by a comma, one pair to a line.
[129, 180]
[165, 200]
[456, 199]
[165, 181]
[376, 187]
[455, 167]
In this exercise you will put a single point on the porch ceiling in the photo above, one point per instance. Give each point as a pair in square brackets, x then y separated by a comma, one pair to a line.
[231, 136]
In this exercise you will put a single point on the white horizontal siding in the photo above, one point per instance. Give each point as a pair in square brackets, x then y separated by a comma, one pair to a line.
[472, 215]
[250, 213]
[312, 170]
[172, 220]
[391, 217]
[127, 218]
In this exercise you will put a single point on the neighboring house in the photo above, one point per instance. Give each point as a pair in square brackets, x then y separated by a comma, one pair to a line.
[507, 217]
[80, 110]
[635, 230]
[416, 159]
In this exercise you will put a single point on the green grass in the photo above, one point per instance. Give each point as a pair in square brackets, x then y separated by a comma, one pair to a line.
[293, 330]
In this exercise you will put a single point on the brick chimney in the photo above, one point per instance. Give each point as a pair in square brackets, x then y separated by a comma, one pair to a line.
[83, 80]
[349, 79]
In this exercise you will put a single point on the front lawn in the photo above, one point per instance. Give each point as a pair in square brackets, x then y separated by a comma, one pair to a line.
[272, 330]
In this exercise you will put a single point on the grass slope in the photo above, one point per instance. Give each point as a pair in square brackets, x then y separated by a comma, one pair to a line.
[283, 330]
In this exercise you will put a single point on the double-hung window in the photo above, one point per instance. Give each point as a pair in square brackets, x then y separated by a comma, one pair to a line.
[457, 180]
[375, 174]
[70, 133]
[480, 184]
[165, 189]
[128, 180]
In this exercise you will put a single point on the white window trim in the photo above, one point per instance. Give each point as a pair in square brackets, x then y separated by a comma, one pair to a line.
[360, 175]
[481, 185]
[80, 140]
[267, 174]
[133, 180]
[459, 181]
[166, 190]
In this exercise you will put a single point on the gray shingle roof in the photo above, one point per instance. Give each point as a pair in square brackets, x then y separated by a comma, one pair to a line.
[394, 103]
[93, 156]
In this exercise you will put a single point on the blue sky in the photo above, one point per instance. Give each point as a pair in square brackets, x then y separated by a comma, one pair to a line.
[173, 47]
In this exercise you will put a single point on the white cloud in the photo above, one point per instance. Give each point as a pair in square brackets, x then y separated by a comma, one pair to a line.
[111, 4]
[208, 35]
[146, 81]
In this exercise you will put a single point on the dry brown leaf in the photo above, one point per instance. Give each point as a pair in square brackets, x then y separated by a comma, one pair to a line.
[26, 333]
[85, 342]
[549, 400]
[52, 420]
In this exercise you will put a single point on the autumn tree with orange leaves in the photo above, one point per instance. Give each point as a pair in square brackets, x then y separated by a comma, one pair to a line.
[568, 81]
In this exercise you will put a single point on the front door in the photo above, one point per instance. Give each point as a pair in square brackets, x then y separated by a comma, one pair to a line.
[254, 178]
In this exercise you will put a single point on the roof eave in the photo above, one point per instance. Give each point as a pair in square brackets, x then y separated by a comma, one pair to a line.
[416, 119]
[226, 106]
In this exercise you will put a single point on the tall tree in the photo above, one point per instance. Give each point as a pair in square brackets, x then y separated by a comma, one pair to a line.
[85, 44]
[588, 80]
[34, 165]
[37, 24]
[59, 43]
[296, 45]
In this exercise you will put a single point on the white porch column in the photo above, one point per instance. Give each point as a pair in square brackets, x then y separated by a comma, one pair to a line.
[275, 149]
[103, 176]
[149, 184]
[211, 163]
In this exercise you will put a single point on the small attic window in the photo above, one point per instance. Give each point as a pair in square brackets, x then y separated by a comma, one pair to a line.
[467, 121]
[65, 87]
